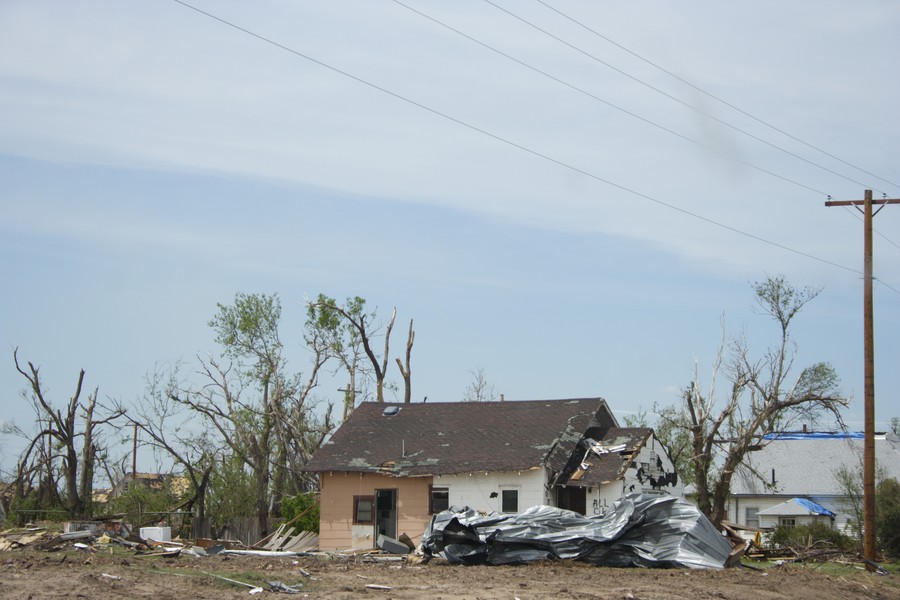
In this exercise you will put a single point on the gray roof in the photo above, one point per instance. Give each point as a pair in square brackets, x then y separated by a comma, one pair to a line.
[460, 437]
[804, 464]
[797, 507]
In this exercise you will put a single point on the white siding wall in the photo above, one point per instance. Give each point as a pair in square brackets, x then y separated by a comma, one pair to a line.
[475, 489]
[737, 507]
[600, 499]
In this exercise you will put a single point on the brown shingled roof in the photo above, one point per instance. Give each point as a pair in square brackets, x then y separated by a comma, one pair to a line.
[460, 437]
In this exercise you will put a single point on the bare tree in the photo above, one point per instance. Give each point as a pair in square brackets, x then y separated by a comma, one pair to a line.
[167, 429]
[760, 397]
[74, 431]
[343, 342]
[406, 368]
[361, 324]
[479, 389]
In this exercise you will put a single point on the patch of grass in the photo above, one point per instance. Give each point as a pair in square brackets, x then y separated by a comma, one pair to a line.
[834, 568]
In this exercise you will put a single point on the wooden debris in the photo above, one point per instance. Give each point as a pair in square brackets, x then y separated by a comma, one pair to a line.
[283, 539]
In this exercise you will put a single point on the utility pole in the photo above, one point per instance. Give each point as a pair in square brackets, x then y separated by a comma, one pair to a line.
[869, 388]
[134, 455]
[349, 399]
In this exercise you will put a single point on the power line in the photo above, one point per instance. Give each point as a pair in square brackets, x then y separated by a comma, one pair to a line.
[713, 96]
[670, 96]
[606, 102]
[881, 235]
[890, 287]
[597, 98]
[726, 103]
[514, 144]
[709, 94]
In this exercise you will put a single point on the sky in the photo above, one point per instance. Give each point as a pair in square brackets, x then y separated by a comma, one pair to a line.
[571, 196]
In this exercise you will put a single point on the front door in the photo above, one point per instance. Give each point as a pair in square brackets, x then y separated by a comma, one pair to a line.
[386, 513]
[572, 498]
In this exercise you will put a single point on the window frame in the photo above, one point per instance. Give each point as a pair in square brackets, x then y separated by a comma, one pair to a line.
[747, 519]
[364, 498]
[437, 488]
[503, 493]
[789, 522]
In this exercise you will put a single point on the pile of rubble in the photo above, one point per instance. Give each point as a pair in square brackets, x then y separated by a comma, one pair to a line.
[151, 541]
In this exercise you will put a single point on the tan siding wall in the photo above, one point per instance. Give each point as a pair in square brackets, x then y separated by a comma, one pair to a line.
[336, 529]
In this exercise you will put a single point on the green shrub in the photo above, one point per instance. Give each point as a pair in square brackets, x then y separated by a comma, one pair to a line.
[140, 502]
[33, 508]
[887, 499]
[815, 534]
[306, 504]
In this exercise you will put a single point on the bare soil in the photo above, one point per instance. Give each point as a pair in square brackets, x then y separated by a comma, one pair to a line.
[118, 574]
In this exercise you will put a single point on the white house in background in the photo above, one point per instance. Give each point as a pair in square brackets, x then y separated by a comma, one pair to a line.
[389, 467]
[796, 511]
[771, 485]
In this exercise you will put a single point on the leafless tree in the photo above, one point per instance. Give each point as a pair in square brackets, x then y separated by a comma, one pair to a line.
[360, 323]
[479, 389]
[167, 429]
[75, 431]
[761, 396]
[406, 368]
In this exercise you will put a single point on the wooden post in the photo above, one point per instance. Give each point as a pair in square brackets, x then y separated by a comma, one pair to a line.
[869, 388]
[134, 455]
[869, 385]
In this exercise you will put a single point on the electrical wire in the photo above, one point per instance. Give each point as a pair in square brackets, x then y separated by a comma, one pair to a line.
[728, 104]
[713, 96]
[617, 107]
[856, 213]
[686, 82]
[890, 287]
[671, 97]
[599, 99]
[516, 144]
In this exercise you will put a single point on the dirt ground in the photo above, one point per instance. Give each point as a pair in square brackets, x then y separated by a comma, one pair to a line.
[120, 575]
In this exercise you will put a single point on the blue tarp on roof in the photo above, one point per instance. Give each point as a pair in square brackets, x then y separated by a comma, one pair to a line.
[813, 507]
[831, 435]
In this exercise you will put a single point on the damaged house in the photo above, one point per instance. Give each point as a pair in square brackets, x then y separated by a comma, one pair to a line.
[390, 467]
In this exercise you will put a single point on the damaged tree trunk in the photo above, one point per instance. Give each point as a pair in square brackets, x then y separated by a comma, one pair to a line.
[63, 428]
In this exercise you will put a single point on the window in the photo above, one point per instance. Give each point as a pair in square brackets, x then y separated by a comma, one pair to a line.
[787, 521]
[364, 510]
[509, 501]
[439, 500]
[751, 516]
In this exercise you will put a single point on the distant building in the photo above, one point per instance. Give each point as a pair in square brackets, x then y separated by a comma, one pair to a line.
[177, 484]
[792, 478]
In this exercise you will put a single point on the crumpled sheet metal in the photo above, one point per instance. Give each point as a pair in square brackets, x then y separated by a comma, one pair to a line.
[637, 531]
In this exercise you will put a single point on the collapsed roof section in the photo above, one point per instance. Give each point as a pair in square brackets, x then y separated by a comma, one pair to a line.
[603, 455]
